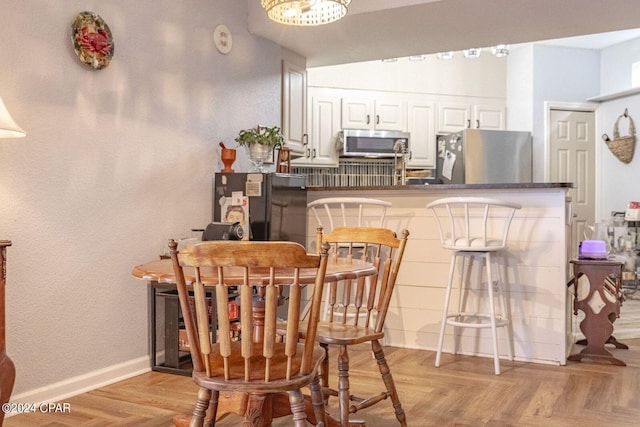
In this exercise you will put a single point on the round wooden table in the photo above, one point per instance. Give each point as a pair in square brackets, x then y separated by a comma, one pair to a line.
[161, 271]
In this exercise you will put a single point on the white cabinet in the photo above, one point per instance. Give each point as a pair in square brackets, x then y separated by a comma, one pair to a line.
[421, 115]
[373, 114]
[294, 106]
[455, 116]
[320, 148]
[489, 116]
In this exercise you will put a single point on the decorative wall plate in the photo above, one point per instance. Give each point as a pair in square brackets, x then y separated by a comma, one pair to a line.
[222, 39]
[92, 40]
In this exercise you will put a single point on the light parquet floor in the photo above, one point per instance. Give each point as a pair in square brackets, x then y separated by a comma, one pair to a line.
[462, 392]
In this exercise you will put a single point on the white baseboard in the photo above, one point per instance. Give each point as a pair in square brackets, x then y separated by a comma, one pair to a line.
[59, 391]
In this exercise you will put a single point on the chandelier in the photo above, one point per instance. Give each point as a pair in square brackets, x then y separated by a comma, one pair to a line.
[305, 12]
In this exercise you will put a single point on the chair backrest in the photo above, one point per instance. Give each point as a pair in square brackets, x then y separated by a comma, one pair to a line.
[363, 302]
[473, 223]
[252, 267]
[333, 212]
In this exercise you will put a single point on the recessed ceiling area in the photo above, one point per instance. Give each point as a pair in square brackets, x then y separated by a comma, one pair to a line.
[596, 41]
[375, 30]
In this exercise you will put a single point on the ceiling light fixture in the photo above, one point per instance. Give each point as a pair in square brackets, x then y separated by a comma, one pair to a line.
[445, 55]
[500, 51]
[305, 12]
[417, 57]
[472, 53]
[390, 60]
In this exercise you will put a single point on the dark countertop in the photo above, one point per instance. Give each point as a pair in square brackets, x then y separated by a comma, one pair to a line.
[523, 186]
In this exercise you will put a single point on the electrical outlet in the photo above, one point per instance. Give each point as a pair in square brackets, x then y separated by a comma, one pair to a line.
[495, 286]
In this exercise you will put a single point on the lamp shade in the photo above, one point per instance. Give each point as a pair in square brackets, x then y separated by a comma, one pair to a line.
[305, 12]
[8, 127]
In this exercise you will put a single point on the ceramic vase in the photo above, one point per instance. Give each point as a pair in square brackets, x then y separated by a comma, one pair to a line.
[228, 156]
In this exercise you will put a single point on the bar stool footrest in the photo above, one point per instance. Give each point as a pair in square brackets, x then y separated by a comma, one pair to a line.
[475, 320]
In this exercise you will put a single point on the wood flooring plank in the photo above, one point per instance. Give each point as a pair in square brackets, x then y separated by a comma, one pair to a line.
[462, 392]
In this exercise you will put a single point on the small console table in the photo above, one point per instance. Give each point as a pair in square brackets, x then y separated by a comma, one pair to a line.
[601, 307]
[7, 369]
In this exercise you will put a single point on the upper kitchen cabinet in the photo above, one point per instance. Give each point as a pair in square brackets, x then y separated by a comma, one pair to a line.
[294, 106]
[489, 117]
[421, 117]
[454, 116]
[324, 113]
[383, 113]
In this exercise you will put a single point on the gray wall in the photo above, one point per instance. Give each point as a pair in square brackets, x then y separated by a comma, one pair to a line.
[618, 181]
[540, 73]
[115, 163]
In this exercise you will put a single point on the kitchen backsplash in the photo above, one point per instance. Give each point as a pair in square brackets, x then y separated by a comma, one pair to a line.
[350, 173]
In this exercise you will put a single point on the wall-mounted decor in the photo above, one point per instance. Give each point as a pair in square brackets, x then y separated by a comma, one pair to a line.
[92, 40]
[622, 146]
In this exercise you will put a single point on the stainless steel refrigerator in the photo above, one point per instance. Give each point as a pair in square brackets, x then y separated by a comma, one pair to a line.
[479, 156]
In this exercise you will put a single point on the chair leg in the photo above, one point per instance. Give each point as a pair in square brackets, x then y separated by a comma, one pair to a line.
[317, 400]
[445, 310]
[465, 288]
[202, 403]
[212, 412]
[503, 307]
[388, 381]
[492, 314]
[324, 371]
[296, 400]
[343, 385]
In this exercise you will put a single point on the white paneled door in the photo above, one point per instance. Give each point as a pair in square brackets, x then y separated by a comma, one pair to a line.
[572, 159]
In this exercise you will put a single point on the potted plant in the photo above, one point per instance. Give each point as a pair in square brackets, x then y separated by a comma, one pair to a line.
[260, 143]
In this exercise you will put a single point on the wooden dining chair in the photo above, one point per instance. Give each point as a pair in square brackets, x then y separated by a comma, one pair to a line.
[260, 364]
[357, 310]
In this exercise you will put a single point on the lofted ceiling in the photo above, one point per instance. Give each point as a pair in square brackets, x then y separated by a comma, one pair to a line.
[376, 29]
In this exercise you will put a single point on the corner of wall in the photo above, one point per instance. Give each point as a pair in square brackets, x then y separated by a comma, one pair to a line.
[293, 57]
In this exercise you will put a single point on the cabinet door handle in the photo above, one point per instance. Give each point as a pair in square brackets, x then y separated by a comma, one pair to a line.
[305, 139]
[477, 124]
[368, 119]
[307, 153]
[468, 124]
[377, 119]
[313, 151]
[410, 155]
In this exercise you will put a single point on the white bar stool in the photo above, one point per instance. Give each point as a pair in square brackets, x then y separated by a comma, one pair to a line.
[474, 228]
[333, 212]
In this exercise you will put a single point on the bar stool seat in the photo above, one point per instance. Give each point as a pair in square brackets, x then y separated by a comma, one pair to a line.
[474, 228]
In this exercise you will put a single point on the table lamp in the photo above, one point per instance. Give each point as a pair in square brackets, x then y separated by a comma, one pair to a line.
[8, 127]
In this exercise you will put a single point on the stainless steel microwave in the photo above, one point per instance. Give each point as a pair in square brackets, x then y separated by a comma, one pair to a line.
[373, 143]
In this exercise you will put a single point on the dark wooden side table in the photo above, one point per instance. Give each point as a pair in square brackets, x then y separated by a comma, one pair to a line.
[7, 369]
[601, 307]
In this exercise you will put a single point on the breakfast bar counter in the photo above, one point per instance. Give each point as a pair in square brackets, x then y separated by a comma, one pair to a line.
[535, 272]
[447, 187]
